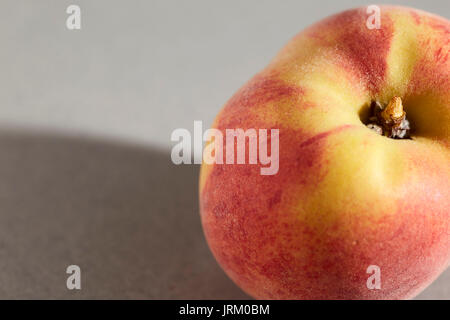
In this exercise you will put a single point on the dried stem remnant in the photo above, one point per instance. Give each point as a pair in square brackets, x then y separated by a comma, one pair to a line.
[389, 121]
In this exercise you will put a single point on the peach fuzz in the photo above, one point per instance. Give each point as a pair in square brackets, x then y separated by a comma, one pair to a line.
[344, 197]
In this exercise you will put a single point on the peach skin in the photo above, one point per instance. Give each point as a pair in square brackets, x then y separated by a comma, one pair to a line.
[345, 197]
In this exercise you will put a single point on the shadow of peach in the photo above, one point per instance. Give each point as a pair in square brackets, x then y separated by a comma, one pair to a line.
[125, 214]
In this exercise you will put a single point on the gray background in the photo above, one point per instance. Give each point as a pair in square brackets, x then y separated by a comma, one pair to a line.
[86, 118]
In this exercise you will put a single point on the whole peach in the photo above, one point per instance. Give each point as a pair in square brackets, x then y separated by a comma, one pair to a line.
[345, 197]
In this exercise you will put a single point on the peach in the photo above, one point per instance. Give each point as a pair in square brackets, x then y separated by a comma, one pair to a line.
[344, 198]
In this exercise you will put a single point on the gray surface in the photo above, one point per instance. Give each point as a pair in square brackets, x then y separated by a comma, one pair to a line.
[123, 213]
[85, 173]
